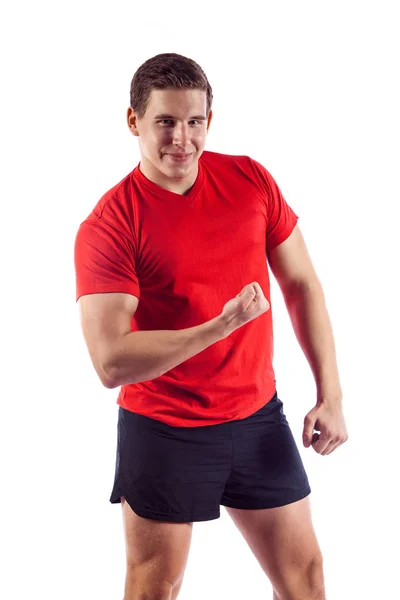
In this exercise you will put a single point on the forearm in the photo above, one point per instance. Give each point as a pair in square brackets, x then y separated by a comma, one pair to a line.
[145, 355]
[312, 326]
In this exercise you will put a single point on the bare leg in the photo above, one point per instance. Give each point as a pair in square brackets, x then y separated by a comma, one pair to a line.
[284, 542]
[156, 555]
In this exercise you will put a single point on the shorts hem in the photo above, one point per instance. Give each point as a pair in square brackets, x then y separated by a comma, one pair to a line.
[205, 515]
[259, 504]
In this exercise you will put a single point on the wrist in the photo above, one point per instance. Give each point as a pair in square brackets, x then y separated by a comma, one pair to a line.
[333, 396]
[221, 326]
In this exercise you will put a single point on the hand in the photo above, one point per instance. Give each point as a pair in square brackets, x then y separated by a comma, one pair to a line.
[327, 418]
[249, 304]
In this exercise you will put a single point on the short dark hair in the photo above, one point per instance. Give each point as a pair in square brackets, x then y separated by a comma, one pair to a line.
[167, 71]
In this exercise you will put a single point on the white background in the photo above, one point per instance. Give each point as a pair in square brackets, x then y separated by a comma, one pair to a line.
[309, 89]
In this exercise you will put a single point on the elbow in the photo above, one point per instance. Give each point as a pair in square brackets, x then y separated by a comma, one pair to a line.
[109, 384]
[299, 287]
[107, 378]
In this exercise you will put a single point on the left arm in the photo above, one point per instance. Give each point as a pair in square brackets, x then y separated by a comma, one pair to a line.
[312, 326]
[305, 301]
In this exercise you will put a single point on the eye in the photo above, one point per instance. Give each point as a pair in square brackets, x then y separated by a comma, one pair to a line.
[170, 121]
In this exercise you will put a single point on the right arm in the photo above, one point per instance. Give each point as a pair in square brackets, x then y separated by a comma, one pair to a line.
[121, 356]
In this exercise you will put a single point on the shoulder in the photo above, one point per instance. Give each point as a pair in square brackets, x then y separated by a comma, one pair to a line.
[218, 158]
[232, 164]
[110, 211]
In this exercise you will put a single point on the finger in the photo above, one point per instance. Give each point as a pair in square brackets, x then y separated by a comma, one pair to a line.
[306, 440]
[321, 444]
[331, 447]
[308, 436]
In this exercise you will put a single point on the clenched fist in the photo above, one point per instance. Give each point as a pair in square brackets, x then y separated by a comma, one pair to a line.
[249, 304]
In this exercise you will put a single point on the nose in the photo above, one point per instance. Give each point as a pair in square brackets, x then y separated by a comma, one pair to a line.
[180, 135]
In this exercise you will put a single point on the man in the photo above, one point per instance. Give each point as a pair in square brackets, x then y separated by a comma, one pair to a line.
[174, 295]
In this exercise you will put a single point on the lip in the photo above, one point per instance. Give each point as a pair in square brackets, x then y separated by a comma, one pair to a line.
[179, 157]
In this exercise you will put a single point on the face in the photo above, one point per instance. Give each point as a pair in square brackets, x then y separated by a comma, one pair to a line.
[172, 135]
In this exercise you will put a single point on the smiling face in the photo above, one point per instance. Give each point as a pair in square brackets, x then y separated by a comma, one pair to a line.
[172, 136]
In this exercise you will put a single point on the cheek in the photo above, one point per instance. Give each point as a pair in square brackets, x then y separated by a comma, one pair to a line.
[200, 138]
[160, 140]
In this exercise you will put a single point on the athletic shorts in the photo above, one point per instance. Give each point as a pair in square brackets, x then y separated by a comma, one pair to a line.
[184, 474]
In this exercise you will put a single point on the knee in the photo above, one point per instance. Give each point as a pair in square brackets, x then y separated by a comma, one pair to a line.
[147, 589]
[303, 581]
[314, 578]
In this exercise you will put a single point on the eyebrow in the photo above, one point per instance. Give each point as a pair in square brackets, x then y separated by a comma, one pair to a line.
[163, 116]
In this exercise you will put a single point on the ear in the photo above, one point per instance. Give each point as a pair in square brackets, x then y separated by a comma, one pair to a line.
[131, 119]
[210, 116]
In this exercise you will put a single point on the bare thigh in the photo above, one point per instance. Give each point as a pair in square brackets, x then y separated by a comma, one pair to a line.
[156, 551]
[285, 544]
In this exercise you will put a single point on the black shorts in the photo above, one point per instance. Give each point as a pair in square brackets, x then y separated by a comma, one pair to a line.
[184, 474]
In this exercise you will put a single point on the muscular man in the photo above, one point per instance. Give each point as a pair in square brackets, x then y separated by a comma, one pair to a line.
[173, 287]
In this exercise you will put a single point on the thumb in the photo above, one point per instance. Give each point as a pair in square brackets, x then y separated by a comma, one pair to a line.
[308, 434]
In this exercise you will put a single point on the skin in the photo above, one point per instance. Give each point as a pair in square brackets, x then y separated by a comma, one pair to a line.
[289, 261]
[179, 134]
[283, 538]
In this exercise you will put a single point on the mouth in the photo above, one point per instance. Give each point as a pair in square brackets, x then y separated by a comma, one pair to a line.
[179, 157]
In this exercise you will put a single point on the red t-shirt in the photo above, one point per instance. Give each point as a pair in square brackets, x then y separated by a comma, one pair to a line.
[184, 257]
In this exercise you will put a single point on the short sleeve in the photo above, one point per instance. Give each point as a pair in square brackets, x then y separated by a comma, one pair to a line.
[104, 260]
[281, 218]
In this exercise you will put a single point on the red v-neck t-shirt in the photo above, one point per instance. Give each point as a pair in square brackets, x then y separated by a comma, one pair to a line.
[184, 257]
